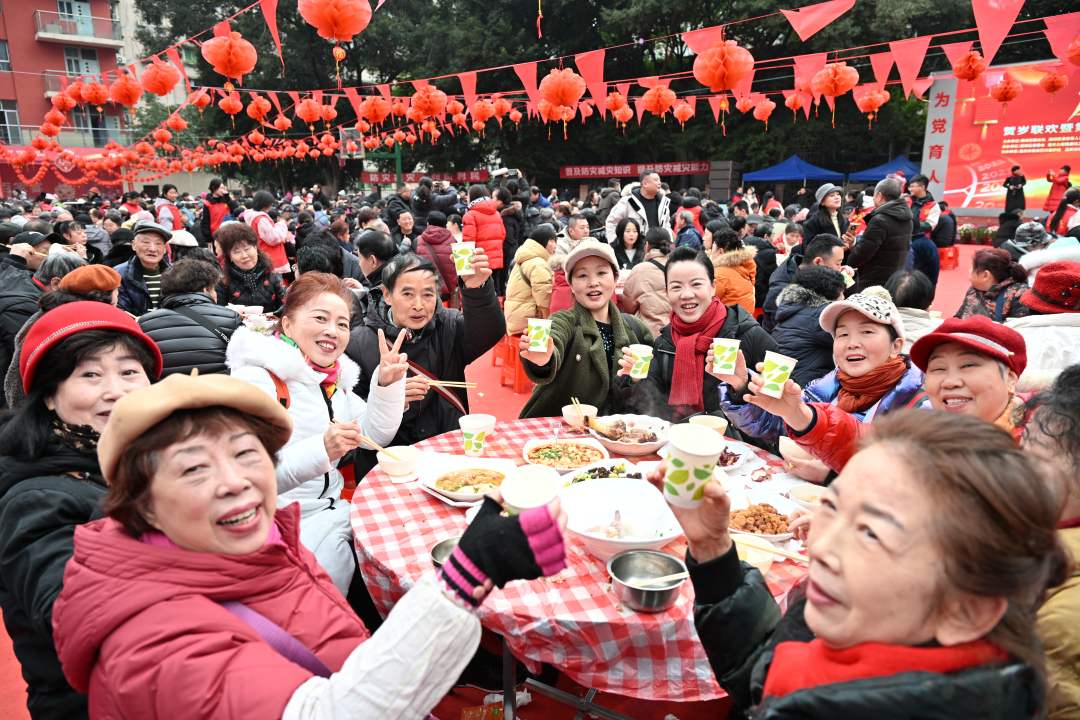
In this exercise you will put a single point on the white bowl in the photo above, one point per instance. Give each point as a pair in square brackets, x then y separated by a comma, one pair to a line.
[564, 466]
[632, 449]
[530, 486]
[438, 465]
[760, 559]
[591, 505]
[807, 494]
[405, 465]
[575, 415]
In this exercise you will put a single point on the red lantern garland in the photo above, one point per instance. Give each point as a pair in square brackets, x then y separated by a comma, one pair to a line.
[969, 66]
[683, 112]
[94, 93]
[763, 110]
[230, 55]
[160, 78]
[834, 80]
[429, 101]
[1006, 90]
[658, 100]
[723, 65]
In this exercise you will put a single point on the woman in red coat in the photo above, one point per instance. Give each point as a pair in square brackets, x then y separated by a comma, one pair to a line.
[1058, 185]
[483, 225]
[195, 598]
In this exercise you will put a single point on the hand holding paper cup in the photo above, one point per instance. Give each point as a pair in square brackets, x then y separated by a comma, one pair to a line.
[463, 252]
[775, 373]
[725, 355]
[642, 358]
[694, 452]
[539, 332]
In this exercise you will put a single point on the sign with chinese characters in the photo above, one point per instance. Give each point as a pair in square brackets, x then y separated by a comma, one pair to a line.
[939, 120]
[389, 178]
[603, 172]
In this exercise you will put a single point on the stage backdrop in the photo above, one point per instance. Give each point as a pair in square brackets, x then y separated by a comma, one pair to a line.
[972, 141]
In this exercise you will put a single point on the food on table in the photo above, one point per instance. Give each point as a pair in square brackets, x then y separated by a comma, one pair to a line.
[727, 458]
[761, 518]
[615, 530]
[761, 474]
[617, 470]
[470, 480]
[564, 454]
[622, 431]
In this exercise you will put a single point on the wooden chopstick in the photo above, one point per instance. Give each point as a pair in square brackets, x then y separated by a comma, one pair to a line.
[368, 441]
[751, 542]
[452, 384]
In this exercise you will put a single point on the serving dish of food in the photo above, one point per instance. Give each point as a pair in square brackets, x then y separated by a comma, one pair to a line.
[464, 479]
[762, 520]
[604, 469]
[564, 455]
[609, 515]
[629, 435]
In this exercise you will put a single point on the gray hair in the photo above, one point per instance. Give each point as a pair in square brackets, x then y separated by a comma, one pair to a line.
[687, 217]
[889, 188]
[57, 266]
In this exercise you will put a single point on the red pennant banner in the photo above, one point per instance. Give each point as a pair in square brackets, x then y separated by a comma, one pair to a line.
[714, 105]
[742, 89]
[653, 80]
[354, 99]
[294, 96]
[275, 100]
[807, 21]
[418, 84]
[623, 89]
[384, 90]
[1060, 31]
[591, 67]
[269, 11]
[908, 55]
[526, 72]
[701, 40]
[468, 88]
[954, 51]
[806, 66]
[881, 63]
[921, 85]
[174, 57]
[222, 28]
[639, 108]
[317, 96]
[994, 19]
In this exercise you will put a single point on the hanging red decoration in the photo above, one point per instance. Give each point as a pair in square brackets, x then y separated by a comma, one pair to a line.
[563, 89]
[200, 99]
[832, 81]
[429, 101]
[763, 110]
[455, 107]
[683, 112]
[49, 129]
[744, 104]
[375, 109]
[794, 103]
[161, 136]
[1073, 52]
[410, 138]
[869, 101]
[160, 78]
[658, 100]
[310, 112]
[459, 119]
[723, 65]
[482, 110]
[586, 111]
[336, 20]
[399, 108]
[328, 113]
[282, 123]
[256, 137]
[64, 102]
[1006, 90]
[230, 55]
[623, 115]
[55, 117]
[94, 93]
[176, 123]
[258, 108]
[231, 104]
[614, 101]
[362, 126]
[74, 91]
[1051, 82]
[515, 116]
[969, 66]
[502, 107]
[339, 54]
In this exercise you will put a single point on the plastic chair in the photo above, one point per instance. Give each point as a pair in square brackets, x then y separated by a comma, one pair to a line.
[503, 349]
[513, 371]
[950, 257]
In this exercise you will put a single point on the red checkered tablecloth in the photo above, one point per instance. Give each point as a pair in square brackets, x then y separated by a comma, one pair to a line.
[573, 621]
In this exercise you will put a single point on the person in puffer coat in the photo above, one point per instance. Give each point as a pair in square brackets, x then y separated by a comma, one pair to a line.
[528, 291]
[191, 329]
[434, 244]
[798, 331]
[484, 226]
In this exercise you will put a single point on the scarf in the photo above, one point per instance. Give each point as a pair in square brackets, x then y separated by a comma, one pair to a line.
[692, 341]
[250, 280]
[1008, 417]
[330, 374]
[80, 440]
[859, 393]
[803, 665]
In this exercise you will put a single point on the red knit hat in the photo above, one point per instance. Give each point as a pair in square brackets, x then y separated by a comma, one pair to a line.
[56, 325]
[1056, 289]
[979, 333]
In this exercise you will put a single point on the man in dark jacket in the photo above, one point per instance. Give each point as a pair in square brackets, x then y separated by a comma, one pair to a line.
[765, 259]
[609, 198]
[883, 248]
[826, 250]
[397, 204]
[944, 234]
[798, 332]
[191, 329]
[140, 284]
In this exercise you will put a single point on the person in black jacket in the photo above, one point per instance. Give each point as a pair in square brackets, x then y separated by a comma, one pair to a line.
[883, 247]
[826, 250]
[688, 276]
[50, 481]
[927, 558]
[798, 332]
[825, 216]
[191, 329]
[441, 341]
[944, 233]
[248, 278]
[764, 259]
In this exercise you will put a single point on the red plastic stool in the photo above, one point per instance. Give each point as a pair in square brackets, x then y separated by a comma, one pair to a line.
[503, 349]
[513, 372]
[950, 257]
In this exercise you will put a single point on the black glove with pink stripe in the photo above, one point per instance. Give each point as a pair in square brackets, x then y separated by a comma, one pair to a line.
[501, 549]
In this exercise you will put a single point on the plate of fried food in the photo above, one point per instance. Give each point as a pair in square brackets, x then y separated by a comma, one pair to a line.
[562, 454]
[761, 519]
[629, 435]
[463, 479]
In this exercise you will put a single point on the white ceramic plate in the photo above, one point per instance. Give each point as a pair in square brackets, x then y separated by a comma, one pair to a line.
[627, 467]
[753, 496]
[642, 510]
[564, 441]
[435, 466]
[442, 498]
[631, 449]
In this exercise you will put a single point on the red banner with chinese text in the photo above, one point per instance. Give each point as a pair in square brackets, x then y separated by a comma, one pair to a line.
[603, 172]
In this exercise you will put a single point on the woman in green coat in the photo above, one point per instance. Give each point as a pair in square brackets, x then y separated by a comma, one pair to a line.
[586, 342]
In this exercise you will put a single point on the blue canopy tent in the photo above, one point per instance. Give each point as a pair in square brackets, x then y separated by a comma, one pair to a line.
[794, 168]
[878, 172]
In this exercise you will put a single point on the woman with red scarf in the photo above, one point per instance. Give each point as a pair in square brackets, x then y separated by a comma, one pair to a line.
[927, 555]
[677, 385]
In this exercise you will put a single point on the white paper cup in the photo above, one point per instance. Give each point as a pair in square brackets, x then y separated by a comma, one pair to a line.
[776, 371]
[642, 355]
[725, 355]
[714, 422]
[463, 252]
[539, 332]
[694, 452]
[530, 486]
[475, 430]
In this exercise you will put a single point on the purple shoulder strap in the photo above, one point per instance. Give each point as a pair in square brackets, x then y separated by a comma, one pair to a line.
[276, 637]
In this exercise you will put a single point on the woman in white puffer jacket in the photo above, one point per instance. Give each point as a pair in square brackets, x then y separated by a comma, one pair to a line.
[303, 365]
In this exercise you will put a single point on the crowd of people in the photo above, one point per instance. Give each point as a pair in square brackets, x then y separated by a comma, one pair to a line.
[187, 378]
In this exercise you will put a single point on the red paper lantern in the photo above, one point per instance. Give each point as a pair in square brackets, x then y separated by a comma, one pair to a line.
[794, 103]
[400, 136]
[328, 113]
[623, 115]
[231, 104]
[258, 108]
[362, 126]
[336, 20]
[870, 101]
[375, 109]
[723, 65]
[39, 143]
[482, 110]
[161, 136]
[744, 104]
[49, 129]
[763, 110]
[658, 100]
[398, 108]
[55, 117]
[94, 93]
[410, 138]
[454, 107]
[562, 89]
[429, 101]
[160, 78]
[459, 119]
[74, 91]
[64, 102]
[515, 116]
[1072, 54]
[834, 80]
[256, 137]
[310, 112]
[614, 101]
[230, 55]
[1051, 82]
[683, 112]
[282, 123]
[1006, 90]
[176, 123]
[586, 111]
[502, 107]
[969, 66]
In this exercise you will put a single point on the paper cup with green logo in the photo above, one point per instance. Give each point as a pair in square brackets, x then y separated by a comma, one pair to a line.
[475, 430]
[462, 253]
[539, 332]
[642, 356]
[694, 451]
[725, 355]
[775, 373]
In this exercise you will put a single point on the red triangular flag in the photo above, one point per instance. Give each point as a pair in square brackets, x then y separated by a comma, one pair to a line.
[591, 66]
[417, 84]
[714, 104]
[994, 19]
[701, 40]
[274, 99]
[639, 107]
[909, 55]
[269, 11]
[354, 100]
[806, 66]
[468, 88]
[222, 28]
[921, 85]
[882, 63]
[294, 96]
[806, 21]
[954, 51]
[742, 88]
[174, 57]
[1060, 31]
[526, 72]
[624, 89]
[384, 89]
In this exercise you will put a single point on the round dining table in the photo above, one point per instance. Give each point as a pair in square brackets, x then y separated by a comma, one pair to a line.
[571, 621]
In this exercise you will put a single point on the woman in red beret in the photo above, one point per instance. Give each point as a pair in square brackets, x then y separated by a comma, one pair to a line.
[76, 362]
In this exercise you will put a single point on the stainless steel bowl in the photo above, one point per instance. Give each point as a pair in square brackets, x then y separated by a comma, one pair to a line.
[442, 549]
[631, 568]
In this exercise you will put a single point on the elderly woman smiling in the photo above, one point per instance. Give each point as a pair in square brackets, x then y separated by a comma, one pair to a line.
[196, 599]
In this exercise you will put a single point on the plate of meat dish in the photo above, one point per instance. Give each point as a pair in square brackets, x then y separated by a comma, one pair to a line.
[562, 454]
[761, 519]
[630, 435]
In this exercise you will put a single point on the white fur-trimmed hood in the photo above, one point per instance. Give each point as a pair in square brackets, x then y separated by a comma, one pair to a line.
[248, 348]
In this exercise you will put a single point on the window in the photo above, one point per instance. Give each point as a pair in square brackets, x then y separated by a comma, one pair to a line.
[9, 123]
[5, 57]
[81, 61]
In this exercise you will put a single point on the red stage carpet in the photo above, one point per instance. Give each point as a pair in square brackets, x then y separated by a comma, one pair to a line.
[491, 397]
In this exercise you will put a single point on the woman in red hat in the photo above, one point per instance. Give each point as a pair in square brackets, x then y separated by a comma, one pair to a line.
[1052, 330]
[76, 362]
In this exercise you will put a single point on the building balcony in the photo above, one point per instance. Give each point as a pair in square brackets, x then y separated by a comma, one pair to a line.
[77, 30]
[71, 137]
[52, 82]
